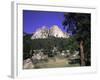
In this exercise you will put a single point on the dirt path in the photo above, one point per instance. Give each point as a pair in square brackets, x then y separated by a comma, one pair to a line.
[55, 62]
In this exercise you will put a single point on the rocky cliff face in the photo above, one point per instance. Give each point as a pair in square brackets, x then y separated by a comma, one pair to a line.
[54, 31]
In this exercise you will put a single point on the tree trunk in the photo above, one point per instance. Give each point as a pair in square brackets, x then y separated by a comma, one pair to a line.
[30, 53]
[82, 59]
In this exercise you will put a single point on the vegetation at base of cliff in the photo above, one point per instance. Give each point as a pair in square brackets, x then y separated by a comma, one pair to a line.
[48, 44]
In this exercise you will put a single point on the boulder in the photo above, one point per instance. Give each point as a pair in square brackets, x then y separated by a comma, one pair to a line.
[27, 64]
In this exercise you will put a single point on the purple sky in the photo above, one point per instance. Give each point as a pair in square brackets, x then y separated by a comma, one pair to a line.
[35, 19]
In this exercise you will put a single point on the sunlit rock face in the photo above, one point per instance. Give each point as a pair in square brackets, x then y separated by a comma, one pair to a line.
[40, 33]
[57, 32]
[54, 31]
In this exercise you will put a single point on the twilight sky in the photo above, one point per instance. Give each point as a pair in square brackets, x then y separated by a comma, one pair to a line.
[35, 19]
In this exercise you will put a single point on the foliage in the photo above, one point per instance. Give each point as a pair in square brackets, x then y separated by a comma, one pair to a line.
[79, 25]
[72, 44]
[26, 46]
[47, 45]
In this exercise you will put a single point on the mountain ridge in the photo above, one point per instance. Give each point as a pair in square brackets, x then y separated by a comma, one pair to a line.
[54, 31]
